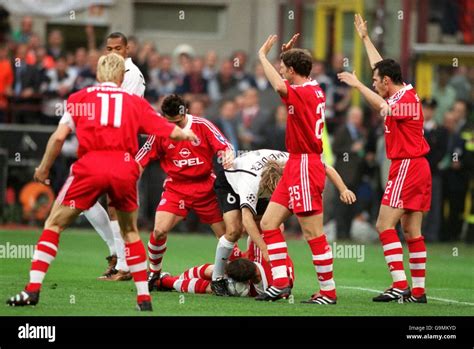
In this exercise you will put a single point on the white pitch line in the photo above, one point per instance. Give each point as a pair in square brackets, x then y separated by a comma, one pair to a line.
[433, 298]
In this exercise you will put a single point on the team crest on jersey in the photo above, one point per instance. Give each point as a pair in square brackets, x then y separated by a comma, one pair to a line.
[197, 142]
[162, 202]
[171, 146]
[184, 152]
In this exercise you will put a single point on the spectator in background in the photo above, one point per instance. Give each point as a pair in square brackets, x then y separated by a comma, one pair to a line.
[239, 60]
[268, 97]
[6, 81]
[348, 147]
[275, 132]
[253, 121]
[444, 93]
[153, 85]
[460, 112]
[225, 79]
[166, 79]
[197, 107]
[133, 46]
[88, 75]
[210, 66]
[455, 181]
[227, 122]
[342, 94]
[60, 82]
[460, 82]
[80, 60]
[25, 88]
[144, 53]
[318, 73]
[22, 35]
[194, 82]
[436, 136]
[55, 44]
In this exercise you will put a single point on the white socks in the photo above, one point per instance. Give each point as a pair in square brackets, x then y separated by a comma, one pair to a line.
[223, 251]
[99, 219]
[119, 247]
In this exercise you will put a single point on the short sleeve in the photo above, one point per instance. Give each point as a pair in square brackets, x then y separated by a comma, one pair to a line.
[67, 120]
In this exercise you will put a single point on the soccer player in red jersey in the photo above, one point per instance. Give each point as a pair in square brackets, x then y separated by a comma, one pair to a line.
[408, 191]
[300, 189]
[107, 121]
[190, 177]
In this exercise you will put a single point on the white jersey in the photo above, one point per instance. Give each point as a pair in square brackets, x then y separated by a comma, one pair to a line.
[246, 174]
[133, 81]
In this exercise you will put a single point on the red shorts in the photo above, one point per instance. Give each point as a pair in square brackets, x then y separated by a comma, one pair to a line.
[102, 172]
[409, 185]
[301, 187]
[180, 197]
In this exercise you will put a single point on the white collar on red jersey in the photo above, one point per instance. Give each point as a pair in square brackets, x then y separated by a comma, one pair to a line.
[397, 95]
[189, 122]
[113, 84]
[308, 83]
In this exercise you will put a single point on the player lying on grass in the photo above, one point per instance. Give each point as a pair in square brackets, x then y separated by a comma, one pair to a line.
[190, 177]
[408, 191]
[105, 165]
[243, 194]
[248, 275]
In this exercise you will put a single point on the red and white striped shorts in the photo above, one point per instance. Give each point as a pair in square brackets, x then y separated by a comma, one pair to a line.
[301, 187]
[409, 185]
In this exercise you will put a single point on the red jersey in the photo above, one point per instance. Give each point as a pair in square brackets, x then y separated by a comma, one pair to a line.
[304, 128]
[185, 161]
[404, 137]
[106, 117]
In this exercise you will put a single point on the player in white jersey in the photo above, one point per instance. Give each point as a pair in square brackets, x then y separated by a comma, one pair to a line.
[243, 193]
[109, 229]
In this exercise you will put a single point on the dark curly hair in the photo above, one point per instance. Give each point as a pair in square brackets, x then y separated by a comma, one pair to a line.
[174, 105]
[298, 59]
[389, 67]
[241, 270]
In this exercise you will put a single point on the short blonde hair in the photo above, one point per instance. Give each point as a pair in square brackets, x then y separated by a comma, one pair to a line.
[111, 68]
[271, 174]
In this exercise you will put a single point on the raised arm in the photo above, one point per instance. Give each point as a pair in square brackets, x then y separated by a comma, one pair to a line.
[361, 28]
[270, 72]
[375, 101]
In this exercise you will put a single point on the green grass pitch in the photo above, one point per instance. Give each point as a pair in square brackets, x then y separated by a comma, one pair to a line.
[71, 287]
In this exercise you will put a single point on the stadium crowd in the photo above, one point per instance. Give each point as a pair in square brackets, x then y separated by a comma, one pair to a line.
[37, 76]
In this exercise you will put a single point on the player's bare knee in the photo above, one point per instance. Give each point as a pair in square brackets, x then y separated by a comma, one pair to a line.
[160, 233]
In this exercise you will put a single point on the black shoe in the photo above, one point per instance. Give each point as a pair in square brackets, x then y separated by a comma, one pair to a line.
[24, 298]
[392, 294]
[413, 299]
[144, 306]
[219, 287]
[318, 298]
[153, 276]
[273, 293]
[158, 286]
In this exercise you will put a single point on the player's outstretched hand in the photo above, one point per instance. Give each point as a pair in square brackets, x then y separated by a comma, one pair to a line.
[360, 26]
[227, 159]
[289, 45]
[348, 197]
[349, 78]
[41, 176]
[267, 45]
